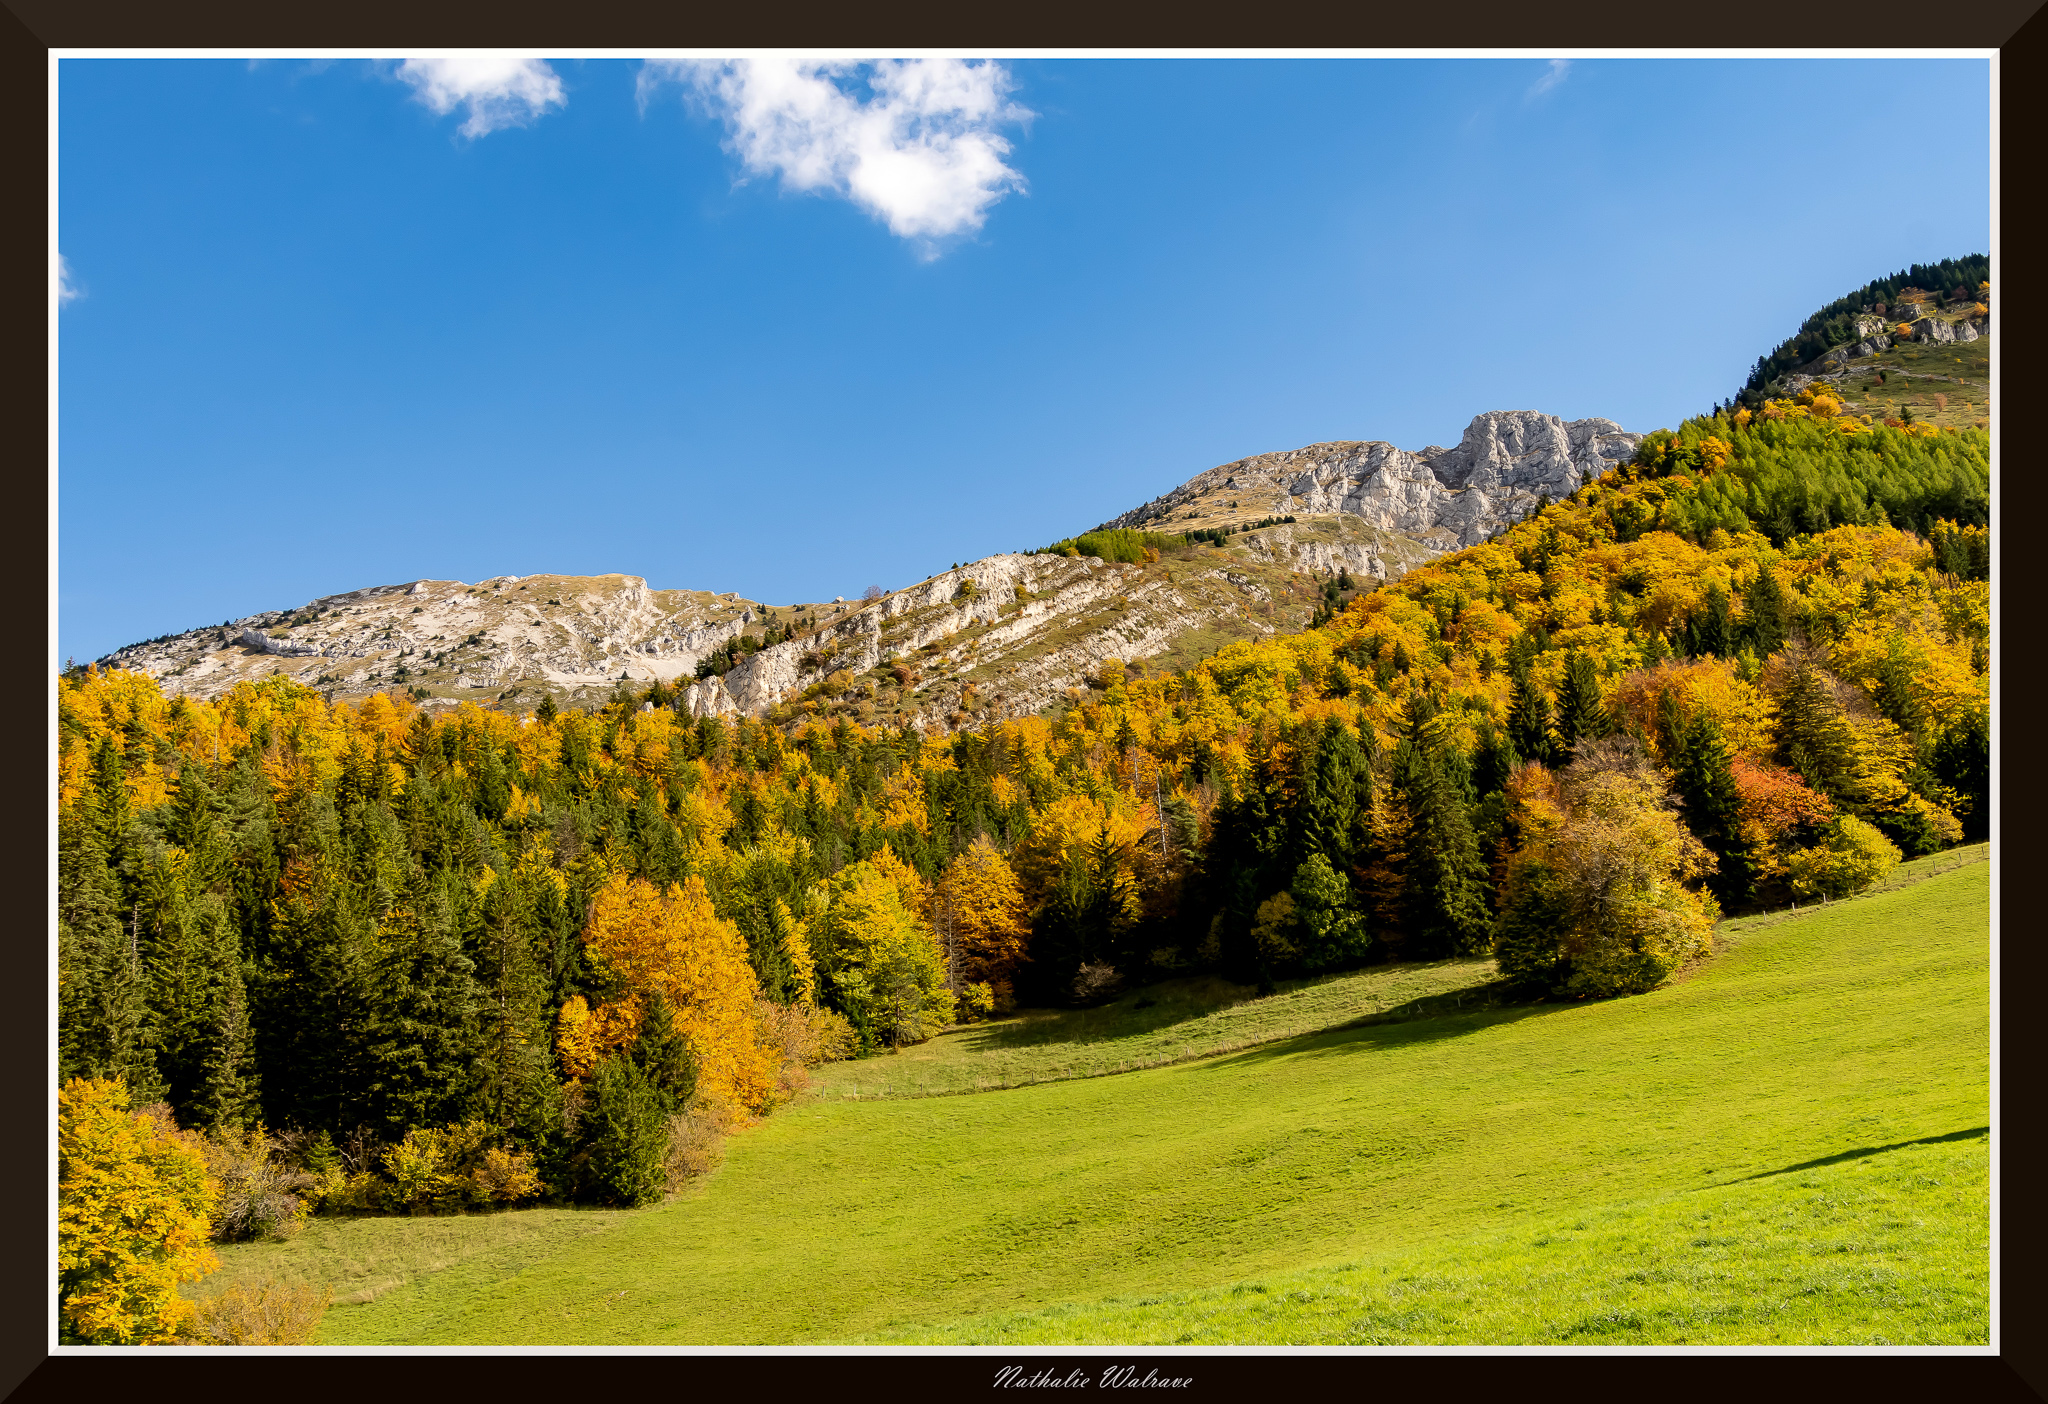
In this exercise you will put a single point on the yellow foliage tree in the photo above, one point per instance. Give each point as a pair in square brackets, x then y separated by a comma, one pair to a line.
[883, 960]
[676, 942]
[978, 910]
[134, 1207]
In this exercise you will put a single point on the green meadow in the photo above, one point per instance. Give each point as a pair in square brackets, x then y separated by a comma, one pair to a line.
[1880, 1245]
[1175, 1022]
[1785, 1144]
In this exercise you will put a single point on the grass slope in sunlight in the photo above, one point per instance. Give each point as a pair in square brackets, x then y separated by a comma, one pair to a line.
[1175, 1022]
[1862, 1024]
[1882, 1245]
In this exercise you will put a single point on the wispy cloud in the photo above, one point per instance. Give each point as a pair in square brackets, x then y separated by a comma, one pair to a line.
[1557, 72]
[921, 150]
[67, 291]
[499, 92]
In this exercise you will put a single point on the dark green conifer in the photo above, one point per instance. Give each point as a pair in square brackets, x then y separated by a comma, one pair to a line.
[1764, 613]
[1580, 713]
[1529, 718]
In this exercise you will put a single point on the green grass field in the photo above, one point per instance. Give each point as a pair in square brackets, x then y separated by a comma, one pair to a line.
[1175, 1022]
[1431, 1153]
[1885, 1245]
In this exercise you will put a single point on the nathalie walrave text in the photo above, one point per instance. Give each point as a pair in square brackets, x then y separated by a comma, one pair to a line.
[1115, 1377]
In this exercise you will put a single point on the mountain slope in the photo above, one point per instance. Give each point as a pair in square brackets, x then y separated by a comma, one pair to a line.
[1435, 500]
[1003, 636]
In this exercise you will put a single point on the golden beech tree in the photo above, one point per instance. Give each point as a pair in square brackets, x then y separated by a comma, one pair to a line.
[1595, 898]
[134, 1208]
[978, 911]
[675, 941]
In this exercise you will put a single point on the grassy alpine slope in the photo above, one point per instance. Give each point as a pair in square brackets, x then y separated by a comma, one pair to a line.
[1451, 1141]
[1882, 1245]
[1179, 1021]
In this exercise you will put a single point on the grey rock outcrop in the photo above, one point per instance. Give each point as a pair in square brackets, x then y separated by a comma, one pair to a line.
[1444, 498]
[283, 648]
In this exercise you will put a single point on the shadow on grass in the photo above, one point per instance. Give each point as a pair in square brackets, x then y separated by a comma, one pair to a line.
[1973, 1134]
[1143, 1011]
[1395, 1029]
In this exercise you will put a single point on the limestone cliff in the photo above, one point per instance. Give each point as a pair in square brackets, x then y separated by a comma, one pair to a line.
[1424, 502]
[1006, 635]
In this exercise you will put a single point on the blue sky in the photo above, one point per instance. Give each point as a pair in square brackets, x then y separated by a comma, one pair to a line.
[791, 333]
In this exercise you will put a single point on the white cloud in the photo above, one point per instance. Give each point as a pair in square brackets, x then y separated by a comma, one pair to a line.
[1552, 76]
[66, 289]
[499, 92]
[920, 151]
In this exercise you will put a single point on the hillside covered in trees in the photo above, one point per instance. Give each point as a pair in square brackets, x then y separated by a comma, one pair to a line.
[1952, 279]
[524, 951]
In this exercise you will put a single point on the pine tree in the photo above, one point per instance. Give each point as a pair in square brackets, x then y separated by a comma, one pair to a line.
[1705, 780]
[1764, 613]
[1529, 718]
[1709, 625]
[661, 1052]
[1580, 715]
[1445, 879]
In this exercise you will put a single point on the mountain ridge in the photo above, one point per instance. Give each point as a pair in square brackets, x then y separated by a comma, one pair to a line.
[1007, 634]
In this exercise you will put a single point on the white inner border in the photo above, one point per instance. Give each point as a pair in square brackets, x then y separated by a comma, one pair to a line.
[50, 1081]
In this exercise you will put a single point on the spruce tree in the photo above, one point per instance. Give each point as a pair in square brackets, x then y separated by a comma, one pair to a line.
[104, 1028]
[1528, 945]
[426, 1037]
[624, 1130]
[1764, 613]
[1529, 718]
[1336, 797]
[515, 1085]
[1495, 759]
[1962, 761]
[1705, 780]
[1814, 735]
[1446, 895]
[1580, 714]
[1709, 625]
[660, 1051]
